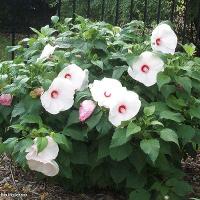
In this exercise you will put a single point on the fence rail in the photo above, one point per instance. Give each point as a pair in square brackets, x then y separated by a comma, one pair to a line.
[185, 26]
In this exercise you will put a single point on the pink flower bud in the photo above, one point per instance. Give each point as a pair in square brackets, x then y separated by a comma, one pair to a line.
[86, 109]
[6, 99]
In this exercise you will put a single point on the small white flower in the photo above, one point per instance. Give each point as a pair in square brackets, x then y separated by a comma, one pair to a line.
[77, 76]
[125, 108]
[59, 97]
[43, 161]
[106, 91]
[146, 68]
[164, 39]
[47, 51]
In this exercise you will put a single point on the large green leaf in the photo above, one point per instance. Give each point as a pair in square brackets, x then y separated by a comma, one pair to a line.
[186, 133]
[185, 82]
[121, 152]
[76, 133]
[62, 140]
[151, 147]
[132, 129]
[162, 79]
[119, 138]
[177, 117]
[169, 135]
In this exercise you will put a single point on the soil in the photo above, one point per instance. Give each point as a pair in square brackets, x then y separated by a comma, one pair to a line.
[14, 181]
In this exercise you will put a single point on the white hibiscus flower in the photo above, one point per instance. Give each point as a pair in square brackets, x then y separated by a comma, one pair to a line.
[164, 39]
[125, 108]
[77, 76]
[105, 91]
[43, 161]
[59, 97]
[146, 68]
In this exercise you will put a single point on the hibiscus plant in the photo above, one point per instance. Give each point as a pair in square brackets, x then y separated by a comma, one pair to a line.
[95, 105]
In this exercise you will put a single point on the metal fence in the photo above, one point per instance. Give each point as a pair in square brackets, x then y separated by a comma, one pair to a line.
[184, 26]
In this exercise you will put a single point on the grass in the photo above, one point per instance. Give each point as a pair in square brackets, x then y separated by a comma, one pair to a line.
[5, 40]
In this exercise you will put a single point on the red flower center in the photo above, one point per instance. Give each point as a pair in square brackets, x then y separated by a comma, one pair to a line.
[54, 94]
[122, 109]
[158, 41]
[107, 94]
[145, 68]
[68, 76]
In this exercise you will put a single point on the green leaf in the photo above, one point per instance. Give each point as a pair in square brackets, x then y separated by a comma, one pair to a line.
[156, 123]
[148, 111]
[162, 79]
[190, 49]
[175, 103]
[80, 153]
[135, 180]
[166, 90]
[139, 194]
[18, 109]
[76, 133]
[94, 119]
[119, 172]
[195, 111]
[132, 129]
[104, 126]
[119, 138]
[120, 153]
[10, 144]
[118, 72]
[177, 117]
[186, 133]
[31, 119]
[41, 143]
[185, 82]
[73, 118]
[151, 147]
[65, 144]
[2, 148]
[138, 159]
[181, 188]
[169, 135]
[103, 148]
[98, 63]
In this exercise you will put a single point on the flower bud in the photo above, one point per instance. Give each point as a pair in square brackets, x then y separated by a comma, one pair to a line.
[86, 109]
[6, 99]
[37, 92]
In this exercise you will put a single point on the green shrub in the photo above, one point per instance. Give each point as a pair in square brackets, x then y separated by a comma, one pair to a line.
[142, 157]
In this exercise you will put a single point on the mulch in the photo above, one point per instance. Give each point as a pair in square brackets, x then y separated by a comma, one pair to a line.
[14, 182]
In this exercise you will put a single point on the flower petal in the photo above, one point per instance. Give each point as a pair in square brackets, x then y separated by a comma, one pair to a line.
[77, 76]
[50, 168]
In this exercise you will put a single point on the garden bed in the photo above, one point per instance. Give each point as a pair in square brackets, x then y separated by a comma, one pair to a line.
[14, 180]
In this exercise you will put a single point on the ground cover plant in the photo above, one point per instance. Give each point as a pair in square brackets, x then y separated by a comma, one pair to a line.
[95, 105]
